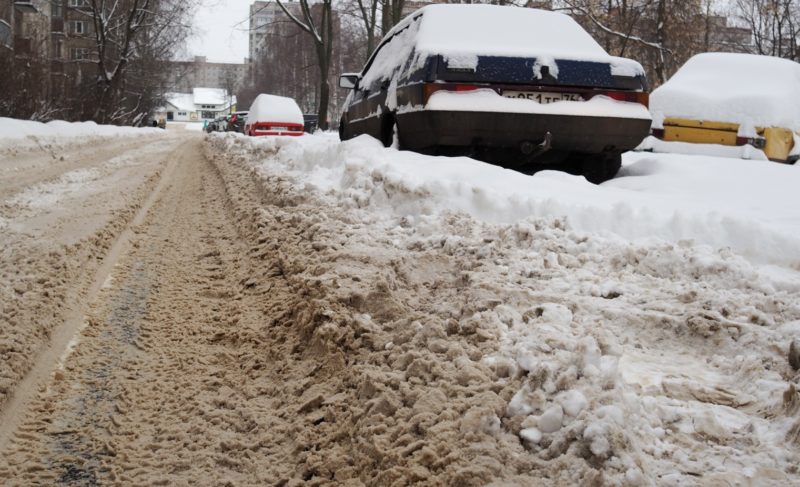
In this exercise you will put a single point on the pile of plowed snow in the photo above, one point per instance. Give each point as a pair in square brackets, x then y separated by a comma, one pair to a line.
[740, 204]
[541, 329]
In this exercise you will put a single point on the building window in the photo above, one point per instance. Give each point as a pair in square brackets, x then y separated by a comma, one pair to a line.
[6, 35]
[56, 10]
[79, 27]
[80, 54]
[78, 3]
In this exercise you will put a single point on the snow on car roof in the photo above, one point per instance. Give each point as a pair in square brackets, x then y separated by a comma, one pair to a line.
[461, 33]
[748, 89]
[273, 108]
[504, 31]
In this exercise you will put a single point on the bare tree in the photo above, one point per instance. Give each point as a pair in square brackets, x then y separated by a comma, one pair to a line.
[132, 38]
[368, 10]
[662, 34]
[775, 25]
[392, 13]
[321, 32]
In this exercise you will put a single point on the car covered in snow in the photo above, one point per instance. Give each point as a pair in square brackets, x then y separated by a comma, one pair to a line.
[746, 102]
[523, 88]
[274, 115]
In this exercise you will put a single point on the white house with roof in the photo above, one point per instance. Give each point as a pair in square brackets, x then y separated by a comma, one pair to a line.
[201, 104]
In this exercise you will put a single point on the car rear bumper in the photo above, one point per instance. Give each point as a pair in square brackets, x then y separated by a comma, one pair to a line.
[258, 133]
[425, 129]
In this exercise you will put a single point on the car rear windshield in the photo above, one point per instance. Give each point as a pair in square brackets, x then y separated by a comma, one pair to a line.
[463, 30]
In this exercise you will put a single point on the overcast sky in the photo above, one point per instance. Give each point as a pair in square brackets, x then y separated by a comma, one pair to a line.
[218, 36]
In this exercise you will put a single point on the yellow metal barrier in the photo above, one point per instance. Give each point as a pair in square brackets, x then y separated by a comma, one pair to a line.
[779, 141]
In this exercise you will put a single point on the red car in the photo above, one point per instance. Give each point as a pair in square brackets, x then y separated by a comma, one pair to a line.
[274, 115]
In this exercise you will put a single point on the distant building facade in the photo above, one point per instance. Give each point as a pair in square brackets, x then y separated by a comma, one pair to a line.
[187, 75]
[264, 19]
[198, 105]
[725, 38]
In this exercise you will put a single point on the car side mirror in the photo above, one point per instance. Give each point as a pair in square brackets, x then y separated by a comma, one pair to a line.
[349, 81]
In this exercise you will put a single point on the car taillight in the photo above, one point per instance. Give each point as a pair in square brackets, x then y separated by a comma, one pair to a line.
[431, 88]
[757, 142]
[639, 97]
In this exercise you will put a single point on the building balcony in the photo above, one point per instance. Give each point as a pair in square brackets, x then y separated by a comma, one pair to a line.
[57, 26]
[25, 6]
[23, 46]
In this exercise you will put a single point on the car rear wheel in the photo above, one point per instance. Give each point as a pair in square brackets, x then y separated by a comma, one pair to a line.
[388, 129]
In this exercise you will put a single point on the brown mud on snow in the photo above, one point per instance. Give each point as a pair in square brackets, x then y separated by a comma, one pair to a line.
[258, 333]
[61, 208]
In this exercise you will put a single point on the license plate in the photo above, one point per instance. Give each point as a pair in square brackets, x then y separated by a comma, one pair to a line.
[542, 97]
[279, 129]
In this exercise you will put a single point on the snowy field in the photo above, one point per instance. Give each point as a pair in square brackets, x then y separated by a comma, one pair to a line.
[647, 321]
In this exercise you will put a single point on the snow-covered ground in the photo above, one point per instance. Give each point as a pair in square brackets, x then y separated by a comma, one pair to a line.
[11, 129]
[745, 205]
[493, 326]
[650, 318]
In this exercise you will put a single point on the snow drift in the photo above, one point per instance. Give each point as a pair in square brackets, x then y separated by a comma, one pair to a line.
[715, 201]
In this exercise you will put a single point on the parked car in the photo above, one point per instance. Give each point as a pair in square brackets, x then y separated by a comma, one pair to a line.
[523, 88]
[220, 123]
[215, 125]
[310, 122]
[236, 122]
[274, 115]
[733, 100]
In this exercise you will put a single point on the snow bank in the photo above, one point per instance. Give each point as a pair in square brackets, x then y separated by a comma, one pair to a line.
[19, 129]
[273, 108]
[748, 89]
[584, 359]
[720, 202]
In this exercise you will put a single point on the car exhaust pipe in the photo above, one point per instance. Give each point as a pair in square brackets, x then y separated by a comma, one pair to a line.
[532, 150]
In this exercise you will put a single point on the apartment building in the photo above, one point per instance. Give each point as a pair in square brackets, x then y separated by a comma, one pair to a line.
[187, 75]
[30, 27]
[264, 17]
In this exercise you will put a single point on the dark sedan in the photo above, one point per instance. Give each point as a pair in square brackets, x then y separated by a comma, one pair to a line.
[523, 88]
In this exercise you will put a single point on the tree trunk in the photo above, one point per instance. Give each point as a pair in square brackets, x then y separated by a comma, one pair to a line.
[661, 39]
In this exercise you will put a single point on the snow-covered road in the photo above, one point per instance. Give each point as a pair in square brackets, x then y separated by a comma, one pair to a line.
[313, 312]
